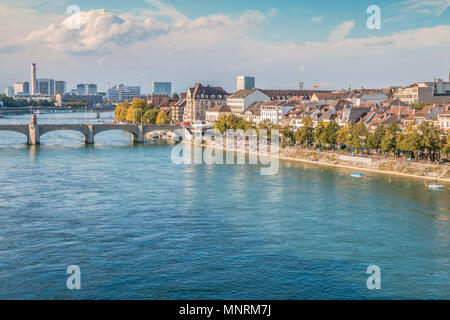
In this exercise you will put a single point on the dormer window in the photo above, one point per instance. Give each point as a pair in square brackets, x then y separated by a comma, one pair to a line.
[202, 96]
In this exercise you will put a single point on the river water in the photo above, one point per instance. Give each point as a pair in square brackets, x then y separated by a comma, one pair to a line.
[139, 226]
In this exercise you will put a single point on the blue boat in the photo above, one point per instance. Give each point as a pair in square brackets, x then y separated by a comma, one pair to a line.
[357, 175]
[435, 186]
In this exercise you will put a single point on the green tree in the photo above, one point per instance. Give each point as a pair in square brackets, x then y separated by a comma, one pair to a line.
[318, 133]
[446, 146]
[409, 140]
[329, 135]
[305, 134]
[343, 136]
[175, 96]
[358, 137]
[288, 133]
[150, 116]
[430, 138]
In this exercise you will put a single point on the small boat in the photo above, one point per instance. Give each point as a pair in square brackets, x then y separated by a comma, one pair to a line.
[435, 186]
[357, 175]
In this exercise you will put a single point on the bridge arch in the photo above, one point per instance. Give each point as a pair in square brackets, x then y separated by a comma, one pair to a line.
[24, 131]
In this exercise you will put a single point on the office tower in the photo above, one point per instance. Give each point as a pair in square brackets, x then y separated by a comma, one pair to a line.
[245, 83]
[34, 83]
[162, 88]
[60, 87]
[46, 86]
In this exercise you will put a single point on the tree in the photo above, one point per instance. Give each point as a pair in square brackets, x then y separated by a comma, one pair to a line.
[374, 139]
[409, 140]
[358, 137]
[162, 118]
[150, 116]
[175, 96]
[343, 135]
[320, 128]
[446, 146]
[430, 138]
[288, 133]
[305, 134]
[329, 135]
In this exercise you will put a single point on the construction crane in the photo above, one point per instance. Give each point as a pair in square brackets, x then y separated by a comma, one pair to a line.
[318, 85]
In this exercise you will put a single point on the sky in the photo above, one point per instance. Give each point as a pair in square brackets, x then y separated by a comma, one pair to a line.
[279, 42]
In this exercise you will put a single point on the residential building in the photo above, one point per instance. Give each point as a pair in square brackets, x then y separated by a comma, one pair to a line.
[212, 114]
[60, 87]
[178, 111]
[327, 98]
[275, 110]
[46, 86]
[157, 99]
[200, 98]
[162, 88]
[243, 99]
[444, 120]
[245, 83]
[286, 95]
[21, 88]
[86, 89]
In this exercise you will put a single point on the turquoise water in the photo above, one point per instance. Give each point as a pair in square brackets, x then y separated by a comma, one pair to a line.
[140, 227]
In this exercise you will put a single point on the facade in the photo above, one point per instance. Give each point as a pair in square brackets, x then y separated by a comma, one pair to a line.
[158, 99]
[275, 111]
[325, 98]
[123, 93]
[178, 111]
[86, 89]
[241, 100]
[245, 83]
[63, 100]
[60, 87]
[9, 91]
[46, 86]
[212, 114]
[21, 88]
[428, 92]
[34, 84]
[200, 98]
[444, 120]
[162, 88]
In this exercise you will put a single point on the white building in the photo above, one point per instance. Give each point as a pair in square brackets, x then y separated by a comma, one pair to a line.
[444, 120]
[212, 114]
[275, 110]
[245, 83]
[21, 88]
[9, 91]
[241, 100]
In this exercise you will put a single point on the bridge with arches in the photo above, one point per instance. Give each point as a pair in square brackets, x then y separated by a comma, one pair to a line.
[34, 131]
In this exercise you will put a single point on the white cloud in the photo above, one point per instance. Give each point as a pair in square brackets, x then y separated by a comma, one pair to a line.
[410, 9]
[341, 31]
[318, 19]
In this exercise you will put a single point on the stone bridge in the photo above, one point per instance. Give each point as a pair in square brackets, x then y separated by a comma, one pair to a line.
[34, 131]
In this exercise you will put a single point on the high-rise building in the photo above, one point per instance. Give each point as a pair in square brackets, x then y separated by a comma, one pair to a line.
[245, 83]
[300, 85]
[9, 91]
[34, 83]
[162, 88]
[122, 92]
[86, 89]
[46, 86]
[60, 87]
[21, 88]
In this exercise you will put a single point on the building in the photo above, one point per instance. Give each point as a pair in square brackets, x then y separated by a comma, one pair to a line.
[327, 98]
[199, 99]
[34, 84]
[245, 83]
[46, 86]
[60, 87]
[63, 100]
[178, 111]
[286, 95]
[9, 91]
[444, 119]
[212, 114]
[123, 93]
[21, 88]
[158, 99]
[425, 92]
[241, 100]
[86, 89]
[162, 88]
[275, 111]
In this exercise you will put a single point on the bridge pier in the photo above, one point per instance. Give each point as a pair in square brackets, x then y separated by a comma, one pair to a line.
[89, 137]
[139, 137]
[33, 137]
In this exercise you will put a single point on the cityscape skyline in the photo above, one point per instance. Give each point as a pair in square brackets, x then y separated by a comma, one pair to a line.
[166, 41]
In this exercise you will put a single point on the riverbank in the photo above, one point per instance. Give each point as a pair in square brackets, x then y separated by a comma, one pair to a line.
[398, 167]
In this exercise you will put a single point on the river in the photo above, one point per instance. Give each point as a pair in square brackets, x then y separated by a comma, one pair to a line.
[141, 227]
